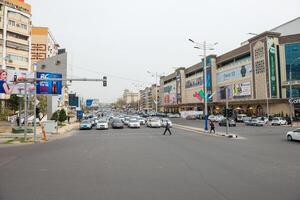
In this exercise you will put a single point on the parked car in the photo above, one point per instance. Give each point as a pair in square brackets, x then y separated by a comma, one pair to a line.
[264, 119]
[164, 122]
[85, 124]
[293, 135]
[223, 122]
[117, 123]
[240, 117]
[102, 124]
[154, 122]
[173, 115]
[277, 121]
[219, 118]
[134, 123]
[259, 122]
[126, 120]
[254, 122]
[246, 119]
[191, 117]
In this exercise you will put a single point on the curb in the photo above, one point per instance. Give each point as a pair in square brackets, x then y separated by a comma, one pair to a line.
[202, 131]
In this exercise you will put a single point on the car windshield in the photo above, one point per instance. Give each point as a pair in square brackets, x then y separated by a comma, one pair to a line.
[133, 120]
[102, 121]
[85, 122]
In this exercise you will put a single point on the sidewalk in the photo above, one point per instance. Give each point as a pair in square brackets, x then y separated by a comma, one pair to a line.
[202, 131]
[63, 132]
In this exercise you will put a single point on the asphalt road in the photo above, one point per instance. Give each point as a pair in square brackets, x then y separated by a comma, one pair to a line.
[138, 164]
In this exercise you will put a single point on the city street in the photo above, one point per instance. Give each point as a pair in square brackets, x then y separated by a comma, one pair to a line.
[135, 164]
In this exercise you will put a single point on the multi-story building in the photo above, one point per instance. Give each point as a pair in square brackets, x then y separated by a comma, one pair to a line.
[130, 97]
[258, 77]
[43, 44]
[15, 35]
[148, 98]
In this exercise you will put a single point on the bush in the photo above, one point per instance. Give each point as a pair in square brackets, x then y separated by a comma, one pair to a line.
[62, 115]
[54, 116]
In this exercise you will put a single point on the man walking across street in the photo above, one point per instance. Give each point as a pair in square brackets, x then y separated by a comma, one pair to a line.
[167, 129]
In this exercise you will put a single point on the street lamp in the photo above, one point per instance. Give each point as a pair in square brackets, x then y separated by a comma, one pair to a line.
[156, 95]
[204, 46]
[290, 84]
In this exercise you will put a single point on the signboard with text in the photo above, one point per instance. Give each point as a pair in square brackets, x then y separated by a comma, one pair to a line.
[52, 87]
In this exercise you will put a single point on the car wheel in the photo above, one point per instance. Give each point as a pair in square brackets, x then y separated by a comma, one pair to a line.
[289, 138]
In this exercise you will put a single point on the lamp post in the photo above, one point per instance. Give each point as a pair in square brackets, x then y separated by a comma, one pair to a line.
[204, 46]
[290, 86]
[156, 75]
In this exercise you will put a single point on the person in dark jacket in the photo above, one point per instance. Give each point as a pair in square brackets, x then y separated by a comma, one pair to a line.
[212, 126]
[167, 129]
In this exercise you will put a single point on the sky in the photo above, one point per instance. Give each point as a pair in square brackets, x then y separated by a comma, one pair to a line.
[124, 39]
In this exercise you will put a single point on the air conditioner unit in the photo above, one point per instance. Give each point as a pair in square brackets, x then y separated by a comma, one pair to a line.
[10, 61]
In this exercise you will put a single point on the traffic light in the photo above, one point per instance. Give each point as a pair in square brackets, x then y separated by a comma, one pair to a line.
[104, 81]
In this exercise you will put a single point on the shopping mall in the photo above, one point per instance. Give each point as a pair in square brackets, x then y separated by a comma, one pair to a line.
[262, 77]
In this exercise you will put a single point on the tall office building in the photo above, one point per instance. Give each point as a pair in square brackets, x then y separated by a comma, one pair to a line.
[15, 35]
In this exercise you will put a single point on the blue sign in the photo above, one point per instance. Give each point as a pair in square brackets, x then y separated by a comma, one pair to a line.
[48, 86]
[89, 102]
[79, 114]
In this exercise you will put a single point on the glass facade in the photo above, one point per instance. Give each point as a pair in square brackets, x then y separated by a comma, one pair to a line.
[292, 57]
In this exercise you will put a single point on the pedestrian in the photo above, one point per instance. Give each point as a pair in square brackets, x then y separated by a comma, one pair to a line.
[69, 119]
[212, 126]
[167, 128]
[18, 121]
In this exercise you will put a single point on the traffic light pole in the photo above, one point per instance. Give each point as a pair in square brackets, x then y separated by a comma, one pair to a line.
[227, 112]
[34, 80]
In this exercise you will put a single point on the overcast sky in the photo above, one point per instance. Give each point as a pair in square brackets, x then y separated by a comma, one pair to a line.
[124, 39]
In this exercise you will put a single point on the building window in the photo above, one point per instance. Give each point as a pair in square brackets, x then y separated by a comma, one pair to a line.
[17, 58]
[24, 26]
[292, 57]
[11, 23]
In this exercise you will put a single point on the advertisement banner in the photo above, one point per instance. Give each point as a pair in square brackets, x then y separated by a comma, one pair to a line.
[240, 72]
[170, 93]
[272, 67]
[52, 87]
[8, 82]
[241, 89]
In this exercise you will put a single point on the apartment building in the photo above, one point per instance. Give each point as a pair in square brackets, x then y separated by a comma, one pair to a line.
[148, 98]
[15, 35]
[43, 44]
[261, 77]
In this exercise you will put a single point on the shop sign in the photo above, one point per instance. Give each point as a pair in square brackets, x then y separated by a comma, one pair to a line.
[240, 72]
[294, 100]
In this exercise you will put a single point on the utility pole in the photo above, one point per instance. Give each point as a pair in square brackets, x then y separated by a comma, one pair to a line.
[25, 112]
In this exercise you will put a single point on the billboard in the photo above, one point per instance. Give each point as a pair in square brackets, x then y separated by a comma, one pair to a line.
[240, 72]
[170, 93]
[92, 103]
[52, 87]
[241, 89]
[73, 100]
[8, 81]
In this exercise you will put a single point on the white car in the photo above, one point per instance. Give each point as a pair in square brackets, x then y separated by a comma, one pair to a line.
[134, 123]
[219, 118]
[164, 122]
[278, 121]
[293, 135]
[264, 119]
[142, 121]
[154, 122]
[102, 124]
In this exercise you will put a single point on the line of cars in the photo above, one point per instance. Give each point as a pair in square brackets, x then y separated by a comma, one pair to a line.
[120, 121]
